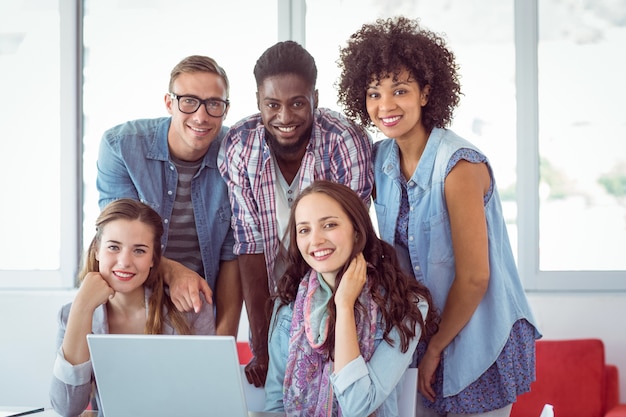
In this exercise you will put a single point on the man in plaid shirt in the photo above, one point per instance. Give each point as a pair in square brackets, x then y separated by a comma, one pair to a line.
[267, 158]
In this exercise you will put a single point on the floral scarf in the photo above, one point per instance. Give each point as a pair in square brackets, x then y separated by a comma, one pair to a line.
[307, 387]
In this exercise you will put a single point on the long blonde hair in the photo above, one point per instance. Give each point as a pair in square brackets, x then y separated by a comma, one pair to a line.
[127, 209]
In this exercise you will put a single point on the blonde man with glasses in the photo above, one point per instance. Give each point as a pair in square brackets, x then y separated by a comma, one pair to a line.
[170, 163]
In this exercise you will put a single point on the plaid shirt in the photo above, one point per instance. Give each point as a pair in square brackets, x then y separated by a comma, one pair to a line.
[339, 151]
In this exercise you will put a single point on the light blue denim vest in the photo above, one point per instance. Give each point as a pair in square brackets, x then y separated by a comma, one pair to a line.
[431, 257]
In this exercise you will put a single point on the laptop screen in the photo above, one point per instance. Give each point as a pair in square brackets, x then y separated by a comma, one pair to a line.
[166, 375]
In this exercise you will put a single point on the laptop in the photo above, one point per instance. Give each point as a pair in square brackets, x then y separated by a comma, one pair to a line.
[170, 375]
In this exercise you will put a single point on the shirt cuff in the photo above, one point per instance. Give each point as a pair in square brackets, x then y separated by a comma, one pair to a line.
[353, 371]
[71, 374]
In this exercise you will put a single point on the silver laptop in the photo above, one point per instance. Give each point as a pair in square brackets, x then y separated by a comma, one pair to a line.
[164, 375]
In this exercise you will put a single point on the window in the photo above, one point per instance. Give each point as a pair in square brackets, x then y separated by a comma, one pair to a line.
[541, 98]
[570, 153]
[127, 70]
[38, 172]
[582, 136]
[483, 44]
[542, 84]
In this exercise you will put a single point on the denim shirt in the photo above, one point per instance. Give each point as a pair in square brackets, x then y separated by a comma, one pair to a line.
[134, 162]
[361, 387]
[431, 257]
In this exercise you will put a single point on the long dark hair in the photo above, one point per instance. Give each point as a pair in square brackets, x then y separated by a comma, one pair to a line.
[392, 290]
[128, 209]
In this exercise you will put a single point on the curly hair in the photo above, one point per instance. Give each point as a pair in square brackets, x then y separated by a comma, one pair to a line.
[392, 290]
[128, 209]
[286, 57]
[385, 48]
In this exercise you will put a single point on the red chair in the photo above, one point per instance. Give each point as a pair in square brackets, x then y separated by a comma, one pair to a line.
[244, 352]
[572, 376]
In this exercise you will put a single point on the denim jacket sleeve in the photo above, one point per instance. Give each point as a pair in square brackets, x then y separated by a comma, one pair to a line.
[131, 161]
[278, 351]
[113, 180]
[364, 387]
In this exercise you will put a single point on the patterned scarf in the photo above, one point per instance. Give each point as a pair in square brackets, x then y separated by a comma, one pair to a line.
[307, 387]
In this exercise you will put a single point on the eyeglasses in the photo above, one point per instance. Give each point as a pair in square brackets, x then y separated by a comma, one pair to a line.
[190, 104]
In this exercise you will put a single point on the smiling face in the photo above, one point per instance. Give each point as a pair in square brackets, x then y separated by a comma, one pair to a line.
[395, 106]
[190, 135]
[287, 103]
[324, 234]
[125, 254]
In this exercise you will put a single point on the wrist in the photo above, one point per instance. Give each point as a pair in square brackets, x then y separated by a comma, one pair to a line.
[435, 348]
[166, 269]
[344, 308]
[82, 309]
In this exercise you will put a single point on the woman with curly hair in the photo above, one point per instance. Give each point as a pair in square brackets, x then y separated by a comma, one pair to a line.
[346, 320]
[437, 203]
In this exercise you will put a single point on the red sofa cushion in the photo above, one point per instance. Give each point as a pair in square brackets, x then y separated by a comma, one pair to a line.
[611, 398]
[570, 376]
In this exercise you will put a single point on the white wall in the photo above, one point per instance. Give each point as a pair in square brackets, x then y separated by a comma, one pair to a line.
[28, 327]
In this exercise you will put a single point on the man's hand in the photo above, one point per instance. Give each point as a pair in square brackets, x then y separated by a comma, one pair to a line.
[185, 286]
[256, 369]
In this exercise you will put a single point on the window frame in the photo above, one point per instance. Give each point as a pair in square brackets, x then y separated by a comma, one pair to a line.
[69, 165]
[526, 15]
[292, 18]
